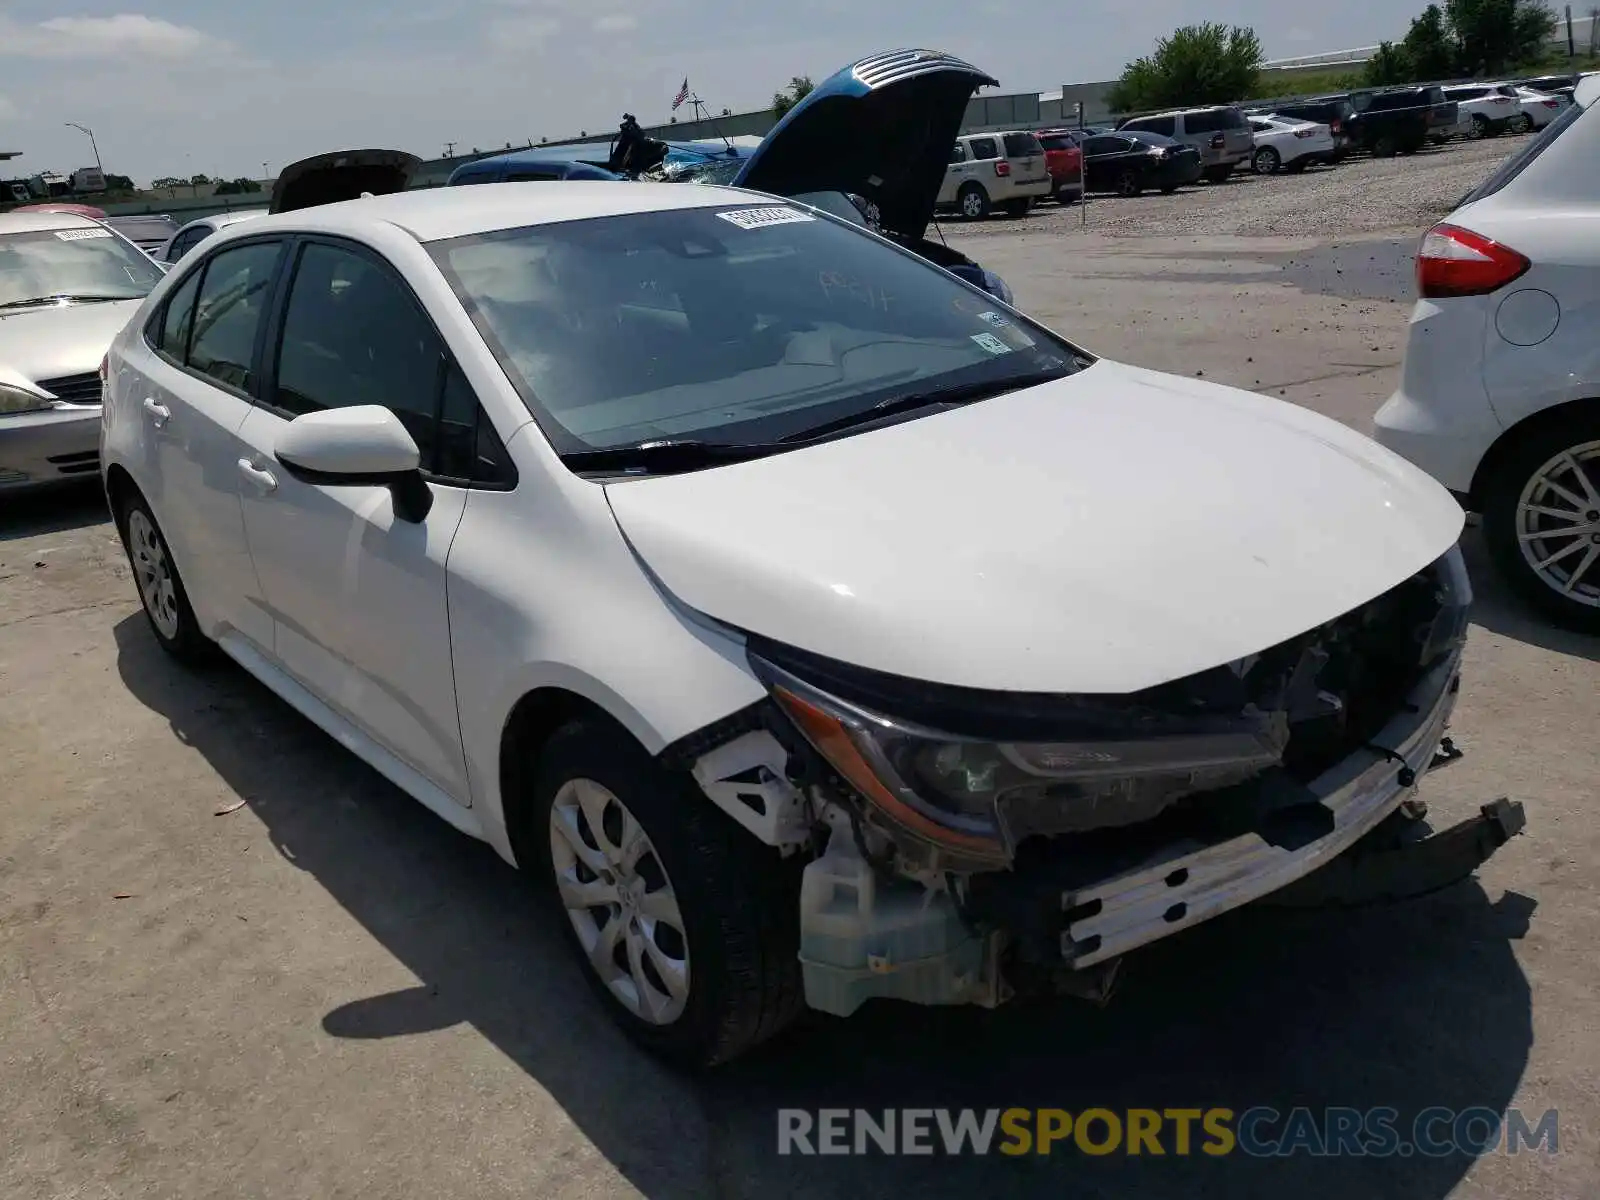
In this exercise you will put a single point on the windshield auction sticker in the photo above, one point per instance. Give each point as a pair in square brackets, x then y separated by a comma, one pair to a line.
[78, 235]
[991, 343]
[758, 218]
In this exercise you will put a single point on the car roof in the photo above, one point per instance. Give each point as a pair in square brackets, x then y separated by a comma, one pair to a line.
[433, 214]
[33, 222]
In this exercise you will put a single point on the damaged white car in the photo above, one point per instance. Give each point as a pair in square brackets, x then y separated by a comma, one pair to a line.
[808, 624]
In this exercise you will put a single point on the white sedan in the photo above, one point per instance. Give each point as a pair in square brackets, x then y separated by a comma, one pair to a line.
[198, 230]
[810, 625]
[1538, 108]
[1287, 144]
[1499, 398]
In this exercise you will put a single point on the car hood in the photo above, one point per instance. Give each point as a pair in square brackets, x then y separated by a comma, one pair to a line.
[341, 175]
[70, 339]
[881, 128]
[1102, 533]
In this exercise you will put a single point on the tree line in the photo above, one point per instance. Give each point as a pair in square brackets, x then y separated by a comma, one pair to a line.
[1214, 63]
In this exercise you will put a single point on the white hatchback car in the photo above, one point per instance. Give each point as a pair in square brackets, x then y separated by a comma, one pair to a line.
[809, 625]
[1284, 143]
[1499, 398]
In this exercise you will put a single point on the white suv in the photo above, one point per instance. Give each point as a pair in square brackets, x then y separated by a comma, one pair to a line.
[1499, 398]
[995, 170]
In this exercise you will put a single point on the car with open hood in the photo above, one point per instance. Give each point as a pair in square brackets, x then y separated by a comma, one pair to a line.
[851, 635]
[880, 130]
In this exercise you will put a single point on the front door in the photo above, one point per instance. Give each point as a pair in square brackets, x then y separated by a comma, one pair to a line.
[358, 594]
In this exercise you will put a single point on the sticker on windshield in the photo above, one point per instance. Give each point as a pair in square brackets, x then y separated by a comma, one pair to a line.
[994, 319]
[760, 218]
[78, 235]
[991, 343]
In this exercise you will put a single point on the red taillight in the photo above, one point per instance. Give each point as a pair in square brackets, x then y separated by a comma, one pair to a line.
[1457, 262]
[1551, 103]
[1334, 128]
[1002, 167]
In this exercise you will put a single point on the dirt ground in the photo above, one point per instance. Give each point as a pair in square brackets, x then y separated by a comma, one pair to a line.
[324, 992]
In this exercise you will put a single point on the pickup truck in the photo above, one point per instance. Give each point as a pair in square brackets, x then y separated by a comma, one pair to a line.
[1398, 120]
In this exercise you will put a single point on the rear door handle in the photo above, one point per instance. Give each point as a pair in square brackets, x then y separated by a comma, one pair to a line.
[260, 476]
[159, 414]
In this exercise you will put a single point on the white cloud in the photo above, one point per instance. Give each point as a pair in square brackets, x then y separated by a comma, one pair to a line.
[616, 23]
[104, 37]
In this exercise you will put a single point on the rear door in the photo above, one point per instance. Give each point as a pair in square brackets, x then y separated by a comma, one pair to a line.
[1025, 153]
[193, 377]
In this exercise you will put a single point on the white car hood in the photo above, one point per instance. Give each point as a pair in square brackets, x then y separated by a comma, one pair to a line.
[1102, 533]
[68, 339]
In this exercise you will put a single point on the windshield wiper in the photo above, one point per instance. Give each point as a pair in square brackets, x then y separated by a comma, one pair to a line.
[911, 401]
[668, 454]
[69, 297]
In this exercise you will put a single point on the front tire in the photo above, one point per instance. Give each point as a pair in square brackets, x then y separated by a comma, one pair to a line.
[684, 925]
[1541, 520]
[1130, 183]
[1266, 161]
[161, 591]
[972, 201]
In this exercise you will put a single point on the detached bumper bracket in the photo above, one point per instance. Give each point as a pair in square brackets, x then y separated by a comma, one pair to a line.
[1381, 869]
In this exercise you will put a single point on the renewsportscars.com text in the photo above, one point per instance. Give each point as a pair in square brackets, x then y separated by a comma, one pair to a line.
[1260, 1132]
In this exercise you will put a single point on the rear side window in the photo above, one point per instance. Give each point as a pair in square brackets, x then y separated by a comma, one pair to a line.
[227, 314]
[1106, 145]
[1519, 162]
[1166, 126]
[984, 148]
[957, 154]
[1202, 122]
[172, 337]
[1022, 145]
[1467, 93]
[1057, 141]
[530, 175]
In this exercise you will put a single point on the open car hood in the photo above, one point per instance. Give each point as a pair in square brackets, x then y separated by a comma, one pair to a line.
[881, 129]
[342, 175]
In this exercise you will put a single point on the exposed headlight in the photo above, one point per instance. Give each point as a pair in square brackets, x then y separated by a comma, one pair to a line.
[996, 287]
[21, 400]
[973, 797]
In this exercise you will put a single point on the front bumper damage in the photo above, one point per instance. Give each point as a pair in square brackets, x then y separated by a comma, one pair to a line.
[1062, 921]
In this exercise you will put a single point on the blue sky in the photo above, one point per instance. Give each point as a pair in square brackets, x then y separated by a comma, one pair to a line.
[178, 87]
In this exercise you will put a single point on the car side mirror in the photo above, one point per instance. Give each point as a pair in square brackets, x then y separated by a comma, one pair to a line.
[362, 446]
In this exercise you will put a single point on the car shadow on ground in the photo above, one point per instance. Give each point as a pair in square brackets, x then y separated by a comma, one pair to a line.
[53, 511]
[1408, 1006]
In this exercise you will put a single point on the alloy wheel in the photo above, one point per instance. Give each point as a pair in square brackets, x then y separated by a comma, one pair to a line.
[621, 904]
[153, 572]
[1558, 523]
[972, 206]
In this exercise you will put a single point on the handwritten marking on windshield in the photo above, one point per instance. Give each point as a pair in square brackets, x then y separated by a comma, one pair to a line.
[833, 282]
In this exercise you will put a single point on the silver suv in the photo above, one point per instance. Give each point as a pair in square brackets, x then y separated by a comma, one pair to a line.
[1220, 133]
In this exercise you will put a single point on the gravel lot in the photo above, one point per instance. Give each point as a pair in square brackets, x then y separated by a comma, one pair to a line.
[1361, 195]
[236, 962]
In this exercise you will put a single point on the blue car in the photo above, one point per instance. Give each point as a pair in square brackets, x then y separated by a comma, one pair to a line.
[871, 144]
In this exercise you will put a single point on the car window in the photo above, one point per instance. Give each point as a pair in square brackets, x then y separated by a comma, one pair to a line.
[1057, 141]
[1166, 126]
[88, 261]
[957, 153]
[1105, 145]
[1523, 158]
[1466, 93]
[227, 313]
[743, 323]
[984, 148]
[353, 334]
[177, 318]
[530, 174]
[477, 177]
[467, 446]
[1202, 122]
[1021, 145]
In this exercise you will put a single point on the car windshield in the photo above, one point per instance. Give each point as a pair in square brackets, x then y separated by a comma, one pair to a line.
[82, 263]
[736, 325]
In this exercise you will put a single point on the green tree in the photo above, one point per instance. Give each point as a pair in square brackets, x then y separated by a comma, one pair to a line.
[1389, 65]
[1210, 63]
[799, 87]
[1430, 51]
[1491, 35]
[200, 180]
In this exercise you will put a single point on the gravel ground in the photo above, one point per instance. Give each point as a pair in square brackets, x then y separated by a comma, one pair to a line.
[1360, 196]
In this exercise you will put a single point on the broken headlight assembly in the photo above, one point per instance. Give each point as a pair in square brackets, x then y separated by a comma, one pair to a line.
[1107, 764]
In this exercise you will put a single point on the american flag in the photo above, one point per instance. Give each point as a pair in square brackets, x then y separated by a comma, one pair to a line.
[683, 93]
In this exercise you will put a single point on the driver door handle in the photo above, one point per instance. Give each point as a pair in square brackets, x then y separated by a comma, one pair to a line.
[159, 414]
[260, 476]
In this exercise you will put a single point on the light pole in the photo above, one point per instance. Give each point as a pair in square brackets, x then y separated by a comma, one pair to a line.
[92, 145]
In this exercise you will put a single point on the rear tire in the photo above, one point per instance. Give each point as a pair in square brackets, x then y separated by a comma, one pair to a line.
[736, 901]
[972, 201]
[1385, 147]
[1480, 127]
[1130, 183]
[161, 591]
[1524, 477]
[1266, 161]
